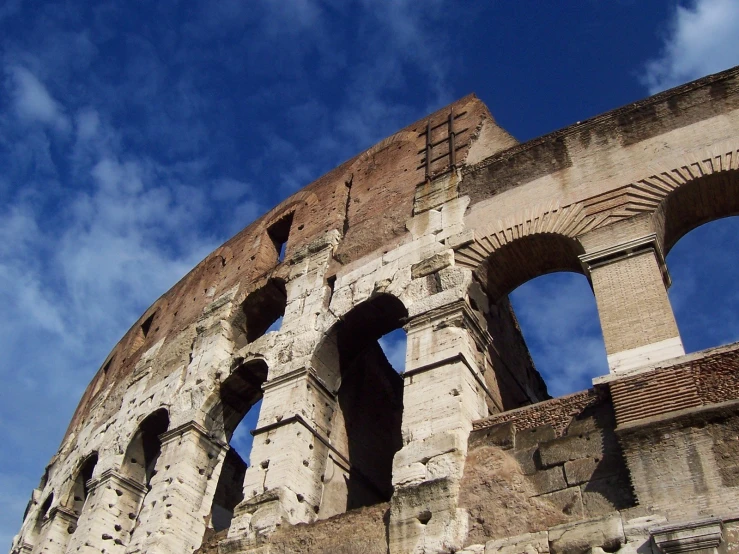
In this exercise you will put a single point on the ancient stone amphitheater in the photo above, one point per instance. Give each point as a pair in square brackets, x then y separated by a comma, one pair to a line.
[465, 451]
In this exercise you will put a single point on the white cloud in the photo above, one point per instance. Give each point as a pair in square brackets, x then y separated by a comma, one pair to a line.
[559, 321]
[33, 101]
[702, 38]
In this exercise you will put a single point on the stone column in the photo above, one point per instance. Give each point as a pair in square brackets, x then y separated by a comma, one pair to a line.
[630, 282]
[174, 511]
[700, 537]
[56, 532]
[283, 482]
[444, 392]
[109, 515]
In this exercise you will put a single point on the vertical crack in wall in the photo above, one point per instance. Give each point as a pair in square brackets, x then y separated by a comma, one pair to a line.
[348, 184]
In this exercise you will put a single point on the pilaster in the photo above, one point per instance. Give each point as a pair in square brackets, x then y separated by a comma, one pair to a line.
[57, 530]
[284, 481]
[109, 515]
[443, 378]
[174, 511]
[630, 282]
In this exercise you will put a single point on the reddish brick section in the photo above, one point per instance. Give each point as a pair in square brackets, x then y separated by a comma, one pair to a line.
[709, 379]
[654, 393]
[557, 412]
[717, 377]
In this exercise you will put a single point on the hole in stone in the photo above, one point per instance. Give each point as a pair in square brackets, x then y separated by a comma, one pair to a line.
[424, 517]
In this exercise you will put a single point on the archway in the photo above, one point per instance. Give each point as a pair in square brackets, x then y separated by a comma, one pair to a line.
[232, 419]
[80, 490]
[698, 234]
[558, 318]
[260, 312]
[704, 295]
[41, 519]
[539, 335]
[365, 427]
[145, 447]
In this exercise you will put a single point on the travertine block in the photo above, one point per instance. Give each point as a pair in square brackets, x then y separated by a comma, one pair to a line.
[580, 537]
[530, 543]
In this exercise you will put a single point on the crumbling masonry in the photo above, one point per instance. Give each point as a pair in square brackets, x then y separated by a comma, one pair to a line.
[427, 231]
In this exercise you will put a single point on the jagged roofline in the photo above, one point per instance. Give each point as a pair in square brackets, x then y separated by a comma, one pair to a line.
[113, 362]
[604, 120]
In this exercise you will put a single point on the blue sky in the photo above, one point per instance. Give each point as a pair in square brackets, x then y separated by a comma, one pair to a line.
[135, 137]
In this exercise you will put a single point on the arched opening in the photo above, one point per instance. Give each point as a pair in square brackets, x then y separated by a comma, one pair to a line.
[80, 488]
[704, 294]
[261, 311]
[699, 238]
[233, 418]
[144, 449]
[365, 430]
[41, 518]
[558, 318]
[546, 335]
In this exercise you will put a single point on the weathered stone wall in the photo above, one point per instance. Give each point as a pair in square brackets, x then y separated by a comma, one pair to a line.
[429, 231]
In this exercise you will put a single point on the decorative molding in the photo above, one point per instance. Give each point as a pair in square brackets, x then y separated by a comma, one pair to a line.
[188, 427]
[640, 196]
[569, 221]
[699, 536]
[645, 195]
[625, 250]
[112, 476]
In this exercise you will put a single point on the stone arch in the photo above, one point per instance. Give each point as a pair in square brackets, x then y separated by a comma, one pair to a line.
[700, 200]
[225, 409]
[41, 518]
[537, 242]
[142, 453]
[261, 308]
[365, 427]
[79, 490]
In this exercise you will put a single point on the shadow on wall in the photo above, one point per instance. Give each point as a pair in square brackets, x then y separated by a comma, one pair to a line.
[365, 426]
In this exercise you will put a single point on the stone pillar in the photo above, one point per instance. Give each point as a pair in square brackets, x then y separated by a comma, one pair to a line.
[284, 481]
[700, 537]
[444, 392]
[109, 515]
[56, 532]
[174, 511]
[630, 283]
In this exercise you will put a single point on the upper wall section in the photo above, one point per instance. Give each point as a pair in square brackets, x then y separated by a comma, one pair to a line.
[367, 200]
[605, 170]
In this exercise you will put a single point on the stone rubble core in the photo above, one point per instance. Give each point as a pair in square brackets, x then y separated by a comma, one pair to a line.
[428, 231]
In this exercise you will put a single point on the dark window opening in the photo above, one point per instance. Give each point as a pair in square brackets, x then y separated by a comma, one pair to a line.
[145, 447]
[81, 483]
[42, 516]
[142, 333]
[260, 312]
[366, 421]
[146, 325]
[235, 417]
[279, 232]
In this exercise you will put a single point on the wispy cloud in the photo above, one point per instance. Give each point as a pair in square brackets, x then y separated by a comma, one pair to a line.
[559, 321]
[32, 100]
[700, 39]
